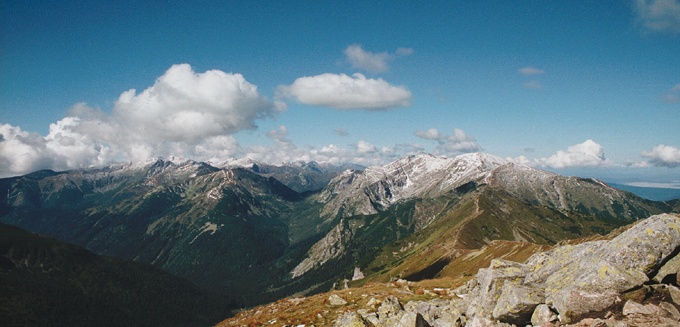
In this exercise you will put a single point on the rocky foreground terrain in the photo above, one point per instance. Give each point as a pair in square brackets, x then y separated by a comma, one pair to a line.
[630, 280]
[627, 280]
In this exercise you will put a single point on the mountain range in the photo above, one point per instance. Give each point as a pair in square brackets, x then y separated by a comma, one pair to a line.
[255, 233]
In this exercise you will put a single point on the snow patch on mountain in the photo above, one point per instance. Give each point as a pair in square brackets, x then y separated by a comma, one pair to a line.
[423, 175]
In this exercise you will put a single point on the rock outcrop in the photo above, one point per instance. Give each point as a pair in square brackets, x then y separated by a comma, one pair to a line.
[629, 280]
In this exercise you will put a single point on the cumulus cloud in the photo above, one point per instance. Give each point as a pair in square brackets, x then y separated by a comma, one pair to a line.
[341, 91]
[430, 134]
[364, 147]
[659, 15]
[528, 70]
[521, 160]
[278, 134]
[450, 145]
[372, 62]
[663, 156]
[184, 106]
[588, 153]
[183, 113]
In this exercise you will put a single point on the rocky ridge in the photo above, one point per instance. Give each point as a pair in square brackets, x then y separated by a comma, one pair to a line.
[630, 280]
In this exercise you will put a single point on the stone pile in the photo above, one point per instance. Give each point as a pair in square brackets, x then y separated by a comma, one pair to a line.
[630, 280]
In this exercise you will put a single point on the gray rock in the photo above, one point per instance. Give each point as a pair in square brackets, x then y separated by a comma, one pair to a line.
[390, 312]
[669, 268]
[485, 322]
[542, 315]
[544, 264]
[336, 300]
[436, 312]
[674, 293]
[517, 302]
[351, 319]
[412, 319]
[671, 310]
[634, 308]
[390, 307]
[488, 285]
[623, 263]
[573, 304]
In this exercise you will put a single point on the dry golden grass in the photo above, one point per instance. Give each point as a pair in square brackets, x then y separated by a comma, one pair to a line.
[316, 310]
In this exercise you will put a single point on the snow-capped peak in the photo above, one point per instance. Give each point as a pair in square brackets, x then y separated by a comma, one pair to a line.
[421, 175]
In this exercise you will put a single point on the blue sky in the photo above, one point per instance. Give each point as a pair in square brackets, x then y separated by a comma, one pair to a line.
[587, 88]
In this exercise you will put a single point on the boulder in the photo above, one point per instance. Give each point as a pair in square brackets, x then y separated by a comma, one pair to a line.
[575, 304]
[517, 302]
[412, 319]
[671, 310]
[485, 322]
[436, 312]
[543, 315]
[669, 271]
[634, 308]
[336, 300]
[592, 282]
[488, 284]
[390, 307]
[674, 293]
[351, 319]
[390, 312]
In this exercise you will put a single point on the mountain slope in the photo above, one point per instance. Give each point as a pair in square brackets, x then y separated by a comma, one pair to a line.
[417, 214]
[221, 228]
[299, 176]
[44, 282]
[252, 238]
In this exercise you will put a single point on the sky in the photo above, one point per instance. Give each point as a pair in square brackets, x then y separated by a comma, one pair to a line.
[587, 88]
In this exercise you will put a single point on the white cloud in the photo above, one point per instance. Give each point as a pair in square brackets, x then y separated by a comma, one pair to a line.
[521, 160]
[278, 134]
[528, 70]
[372, 62]
[663, 156]
[450, 145]
[184, 106]
[182, 114]
[364, 147]
[430, 134]
[659, 15]
[588, 153]
[347, 92]
[21, 152]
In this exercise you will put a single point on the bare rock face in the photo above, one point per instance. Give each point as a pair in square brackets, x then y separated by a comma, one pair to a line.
[329, 247]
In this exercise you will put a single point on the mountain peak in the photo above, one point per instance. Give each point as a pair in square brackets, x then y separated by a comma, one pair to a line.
[483, 159]
[421, 175]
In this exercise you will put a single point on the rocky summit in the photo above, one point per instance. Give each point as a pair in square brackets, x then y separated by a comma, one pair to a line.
[630, 280]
